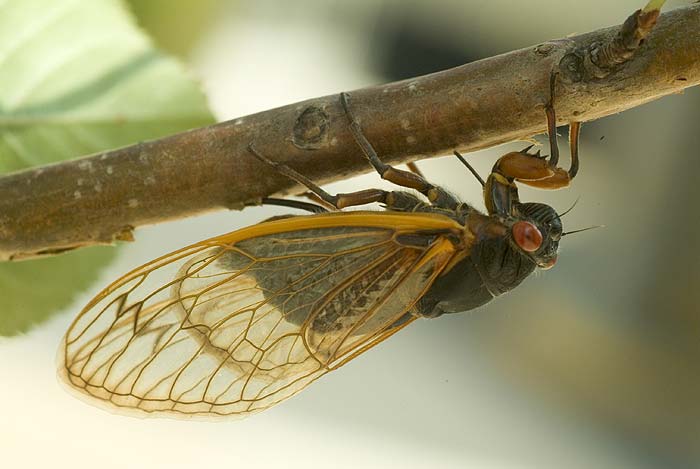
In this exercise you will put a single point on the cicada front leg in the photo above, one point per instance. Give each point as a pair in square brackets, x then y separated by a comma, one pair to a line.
[500, 190]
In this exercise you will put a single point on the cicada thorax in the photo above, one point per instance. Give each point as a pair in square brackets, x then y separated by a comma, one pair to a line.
[493, 267]
[497, 261]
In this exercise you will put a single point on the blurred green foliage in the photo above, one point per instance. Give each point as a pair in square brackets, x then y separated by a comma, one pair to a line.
[77, 78]
[175, 25]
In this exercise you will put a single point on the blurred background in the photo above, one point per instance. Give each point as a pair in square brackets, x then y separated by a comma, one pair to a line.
[593, 364]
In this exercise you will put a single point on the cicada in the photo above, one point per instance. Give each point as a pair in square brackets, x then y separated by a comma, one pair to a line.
[238, 323]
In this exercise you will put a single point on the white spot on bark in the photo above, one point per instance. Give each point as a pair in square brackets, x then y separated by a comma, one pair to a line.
[405, 124]
[86, 166]
[238, 121]
[109, 170]
[77, 194]
[334, 141]
[150, 180]
[98, 187]
[133, 203]
[411, 139]
[80, 181]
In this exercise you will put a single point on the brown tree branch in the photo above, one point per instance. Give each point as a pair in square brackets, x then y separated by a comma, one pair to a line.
[481, 104]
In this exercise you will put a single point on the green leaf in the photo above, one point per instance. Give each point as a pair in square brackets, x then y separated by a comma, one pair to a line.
[177, 33]
[33, 290]
[76, 78]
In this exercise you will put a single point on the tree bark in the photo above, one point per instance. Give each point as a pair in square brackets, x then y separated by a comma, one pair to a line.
[101, 198]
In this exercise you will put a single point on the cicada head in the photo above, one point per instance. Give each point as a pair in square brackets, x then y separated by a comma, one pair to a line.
[537, 231]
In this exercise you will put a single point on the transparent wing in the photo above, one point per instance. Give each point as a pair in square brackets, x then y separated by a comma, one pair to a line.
[239, 323]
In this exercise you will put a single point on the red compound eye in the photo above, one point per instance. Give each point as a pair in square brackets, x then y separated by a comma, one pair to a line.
[527, 236]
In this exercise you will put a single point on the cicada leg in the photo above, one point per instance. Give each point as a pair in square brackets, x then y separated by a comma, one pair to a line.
[412, 180]
[309, 207]
[317, 200]
[543, 172]
[394, 200]
[413, 167]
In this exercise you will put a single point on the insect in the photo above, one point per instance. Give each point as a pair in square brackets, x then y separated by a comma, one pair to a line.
[235, 324]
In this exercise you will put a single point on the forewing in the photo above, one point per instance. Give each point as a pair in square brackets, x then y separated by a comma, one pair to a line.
[238, 323]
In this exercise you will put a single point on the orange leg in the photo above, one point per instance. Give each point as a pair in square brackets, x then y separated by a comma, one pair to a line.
[400, 201]
[500, 190]
[412, 180]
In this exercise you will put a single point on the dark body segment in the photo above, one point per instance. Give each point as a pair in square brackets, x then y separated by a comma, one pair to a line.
[328, 277]
[492, 268]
